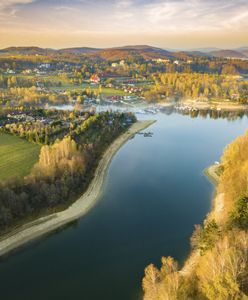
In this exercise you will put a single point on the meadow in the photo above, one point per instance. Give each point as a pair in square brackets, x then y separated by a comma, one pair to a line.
[17, 156]
[69, 86]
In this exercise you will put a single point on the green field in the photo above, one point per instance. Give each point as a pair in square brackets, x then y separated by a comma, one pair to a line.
[17, 156]
[67, 85]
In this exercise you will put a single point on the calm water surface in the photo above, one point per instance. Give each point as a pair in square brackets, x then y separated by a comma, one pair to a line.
[154, 194]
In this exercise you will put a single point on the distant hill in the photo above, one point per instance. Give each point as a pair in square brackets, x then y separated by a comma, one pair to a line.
[198, 53]
[127, 52]
[243, 50]
[142, 51]
[78, 50]
[228, 53]
[204, 50]
[108, 53]
[240, 49]
[144, 48]
[117, 53]
[28, 51]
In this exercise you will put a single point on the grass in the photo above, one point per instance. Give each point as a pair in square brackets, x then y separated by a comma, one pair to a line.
[114, 92]
[78, 88]
[67, 85]
[17, 156]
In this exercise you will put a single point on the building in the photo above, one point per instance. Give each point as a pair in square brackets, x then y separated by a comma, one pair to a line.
[95, 78]
[10, 71]
[122, 63]
[45, 66]
[160, 60]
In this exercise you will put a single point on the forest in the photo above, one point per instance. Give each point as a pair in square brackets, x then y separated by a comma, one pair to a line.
[218, 265]
[195, 85]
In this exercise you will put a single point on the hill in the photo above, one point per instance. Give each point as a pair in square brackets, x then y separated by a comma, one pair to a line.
[243, 50]
[228, 54]
[127, 52]
[28, 51]
[78, 50]
[112, 54]
[140, 51]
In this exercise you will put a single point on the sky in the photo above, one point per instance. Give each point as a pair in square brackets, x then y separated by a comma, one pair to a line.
[175, 24]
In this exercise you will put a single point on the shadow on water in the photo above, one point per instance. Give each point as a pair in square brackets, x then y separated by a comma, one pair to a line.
[36, 242]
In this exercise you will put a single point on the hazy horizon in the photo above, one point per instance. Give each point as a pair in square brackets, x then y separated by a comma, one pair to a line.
[128, 45]
[173, 24]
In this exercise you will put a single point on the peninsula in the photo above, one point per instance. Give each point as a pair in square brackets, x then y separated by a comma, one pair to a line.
[79, 208]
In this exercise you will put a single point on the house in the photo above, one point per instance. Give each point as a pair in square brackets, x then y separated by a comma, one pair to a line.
[235, 96]
[27, 71]
[95, 78]
[45, 66]
[160, 60]
[10, 71]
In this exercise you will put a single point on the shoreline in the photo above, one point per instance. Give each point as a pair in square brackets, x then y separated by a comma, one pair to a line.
[217, 105]
[212, 175]
[217, 205]
[80, 207]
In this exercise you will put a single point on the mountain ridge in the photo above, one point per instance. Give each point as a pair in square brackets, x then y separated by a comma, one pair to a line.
[125, 52]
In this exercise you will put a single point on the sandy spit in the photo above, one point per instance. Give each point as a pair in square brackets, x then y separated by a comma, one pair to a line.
[212, 173]
[45, 225]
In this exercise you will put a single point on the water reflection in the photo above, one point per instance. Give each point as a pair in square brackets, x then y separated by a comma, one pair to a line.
[205, 113]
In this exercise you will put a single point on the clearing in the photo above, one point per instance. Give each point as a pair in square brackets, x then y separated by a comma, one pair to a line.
[17, 156]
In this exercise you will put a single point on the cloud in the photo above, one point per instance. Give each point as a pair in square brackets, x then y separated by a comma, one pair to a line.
[196, 14]
[4, 4]
[123, 4]
[158, 18]
[9, 8]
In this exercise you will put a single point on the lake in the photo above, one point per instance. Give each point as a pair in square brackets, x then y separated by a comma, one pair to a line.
[154, 193]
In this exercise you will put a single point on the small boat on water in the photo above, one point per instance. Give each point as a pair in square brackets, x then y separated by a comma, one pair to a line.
[145, 134]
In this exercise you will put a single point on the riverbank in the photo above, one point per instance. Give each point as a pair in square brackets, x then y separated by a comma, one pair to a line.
[214, 214]
[212, 173]
[221, 105]
[45, 225]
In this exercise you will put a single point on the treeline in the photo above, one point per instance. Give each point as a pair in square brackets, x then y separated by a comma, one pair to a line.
[14, 81]
[64, 170]
[38, 132]
[218, 266]
[36, 96]
[31, 95]
[234, 181]
[86, 65]
[194, 86]
[42, 126]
